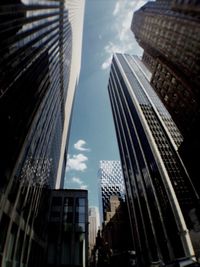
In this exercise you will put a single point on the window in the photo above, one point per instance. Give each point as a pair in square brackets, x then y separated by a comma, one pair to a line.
[55, 214]
[80, 209]
[80, 202]
[68, 201]
[4, 228]
[80, 217]
[56, 201]
[80, 227]
[12, 240]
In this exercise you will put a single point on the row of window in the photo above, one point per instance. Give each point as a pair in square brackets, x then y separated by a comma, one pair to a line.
[134, 149]
[68, 201]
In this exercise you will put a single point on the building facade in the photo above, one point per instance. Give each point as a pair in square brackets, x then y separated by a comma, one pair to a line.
[169, 33]
[161, 198]
[68, 229]
[93, 227]
[111, 182]
[117, 233]
[40, 47]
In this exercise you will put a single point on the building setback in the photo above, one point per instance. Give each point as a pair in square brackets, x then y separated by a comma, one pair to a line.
[169, 33]
[161, 198]
[40, 48]
[111, 182]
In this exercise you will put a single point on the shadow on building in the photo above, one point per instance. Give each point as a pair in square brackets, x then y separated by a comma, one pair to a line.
[114, 245]
[33, 86]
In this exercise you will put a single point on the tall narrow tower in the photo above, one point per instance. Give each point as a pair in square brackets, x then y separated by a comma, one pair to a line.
[160, 195]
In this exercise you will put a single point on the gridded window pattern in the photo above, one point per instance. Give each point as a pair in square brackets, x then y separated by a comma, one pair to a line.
[187, 6]
[182, 186]
[176, 95]
[148, 60]
[111, 182]
[145, 147]
[178, 177]
[172, 34]
[160, 108]
[35, 64]
[68, 224]
[35, 59]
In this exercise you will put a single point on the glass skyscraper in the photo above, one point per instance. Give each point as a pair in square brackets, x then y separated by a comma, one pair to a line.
[40, 54]
[111, 183]
[161, 199]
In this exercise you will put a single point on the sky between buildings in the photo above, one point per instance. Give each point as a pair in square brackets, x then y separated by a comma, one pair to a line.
[106, 31]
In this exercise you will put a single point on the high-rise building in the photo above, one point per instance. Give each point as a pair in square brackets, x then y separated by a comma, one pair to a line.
[111, 182]
[117, 233]
[93, 227]
[169, 33]
[161, 198]
[40, 53]
[68, 228]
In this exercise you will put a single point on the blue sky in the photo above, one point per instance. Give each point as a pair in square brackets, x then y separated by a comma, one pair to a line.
[92, 137]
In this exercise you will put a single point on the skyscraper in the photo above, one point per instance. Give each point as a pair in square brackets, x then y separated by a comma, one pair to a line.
[161, 198]
[40, 48]
[110, 183]
[93, 227]
[169, 33]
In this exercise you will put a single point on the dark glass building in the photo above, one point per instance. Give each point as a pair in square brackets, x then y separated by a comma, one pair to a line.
[37, 82]
[68, 229]
[169, 33]
[161, 199]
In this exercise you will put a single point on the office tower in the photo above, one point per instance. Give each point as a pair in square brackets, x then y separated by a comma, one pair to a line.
[93, 227]
[161, 198]
[169, 33]
[40, 46]
[111, 183]
[190, 7]
[68, 228]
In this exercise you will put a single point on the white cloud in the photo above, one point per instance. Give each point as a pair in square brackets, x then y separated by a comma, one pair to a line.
[79, 182]
[124, 41]
[79, 145]
[76, 162]
[106, 63]
[84, 187]
[116, 10]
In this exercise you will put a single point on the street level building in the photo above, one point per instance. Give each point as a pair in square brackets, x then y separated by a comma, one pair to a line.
[68, 229]
[161, 198]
